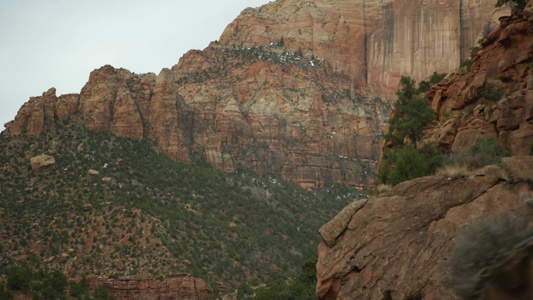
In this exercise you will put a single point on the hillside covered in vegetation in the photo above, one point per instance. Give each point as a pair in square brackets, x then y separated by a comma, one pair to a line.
[113, 207]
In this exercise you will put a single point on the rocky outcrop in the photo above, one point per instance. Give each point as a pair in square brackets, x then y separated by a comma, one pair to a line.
[397, 245]
[307, 130]
[42, 162]
[374, 42]
[177, 286]
[298, 89]
[492, 99]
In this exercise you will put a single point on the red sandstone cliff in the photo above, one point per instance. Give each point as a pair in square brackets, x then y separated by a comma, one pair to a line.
[397, 245]
[374, 42]
[310, 109]
[463, 101]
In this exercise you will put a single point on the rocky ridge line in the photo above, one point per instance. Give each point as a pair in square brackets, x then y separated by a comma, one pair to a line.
[307, 109]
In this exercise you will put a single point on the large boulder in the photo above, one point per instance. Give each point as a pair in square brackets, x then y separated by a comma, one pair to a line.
[42, 162]
[397, 245]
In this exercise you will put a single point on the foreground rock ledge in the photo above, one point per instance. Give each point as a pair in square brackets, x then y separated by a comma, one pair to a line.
[396, 245]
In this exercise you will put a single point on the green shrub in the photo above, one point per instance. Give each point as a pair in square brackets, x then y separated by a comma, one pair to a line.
[242, 290]
[424, 86]
[487, 151]
[515, 4]
[301, 288]
[474, 51]
[467, 63]
[412, 115]
[78, 290]
[402, 164]
[17, 279]
[6, 295]
[101, 293]
[492, 92]
[437, 77]
[410, 164]
[58, 281]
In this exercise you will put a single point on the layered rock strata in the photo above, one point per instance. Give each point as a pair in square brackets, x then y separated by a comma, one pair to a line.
[297, 89]
[177, 286]
[374, 42]
[397, 245]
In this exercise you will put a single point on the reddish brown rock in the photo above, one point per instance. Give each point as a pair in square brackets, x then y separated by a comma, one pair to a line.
[35, 116]
[311, 111]
[177, 286]
[396, 245]
[42, 162]
[119, 162]
[374, 42]
[503, 62]
[164, 118]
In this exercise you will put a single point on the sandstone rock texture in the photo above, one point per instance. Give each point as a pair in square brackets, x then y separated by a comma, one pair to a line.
[374, 42]
[298, 89]
[397, 245]
[463, 99]
[176, 286]
[42, 162]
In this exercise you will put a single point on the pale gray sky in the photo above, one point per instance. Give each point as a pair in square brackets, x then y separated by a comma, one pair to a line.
[57, 43]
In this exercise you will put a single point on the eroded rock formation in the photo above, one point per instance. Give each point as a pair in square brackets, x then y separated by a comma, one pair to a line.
[494, 98]
[299, 89]
[177, 286]
[396, 245]
[42, 162]
[375, 42]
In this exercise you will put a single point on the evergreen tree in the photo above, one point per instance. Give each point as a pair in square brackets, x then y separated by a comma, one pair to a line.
[515, 4]
[412, 115]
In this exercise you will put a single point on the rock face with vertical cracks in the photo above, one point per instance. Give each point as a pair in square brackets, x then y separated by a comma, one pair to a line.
[396, 245]
[299, 89]
[375, 42]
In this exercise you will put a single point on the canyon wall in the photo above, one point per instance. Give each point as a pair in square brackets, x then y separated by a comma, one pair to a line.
[398, 245]
[297, 89]
[493, 98]
[375, 42]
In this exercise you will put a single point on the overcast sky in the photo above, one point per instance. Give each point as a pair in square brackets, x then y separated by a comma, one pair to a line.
[57, 43]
